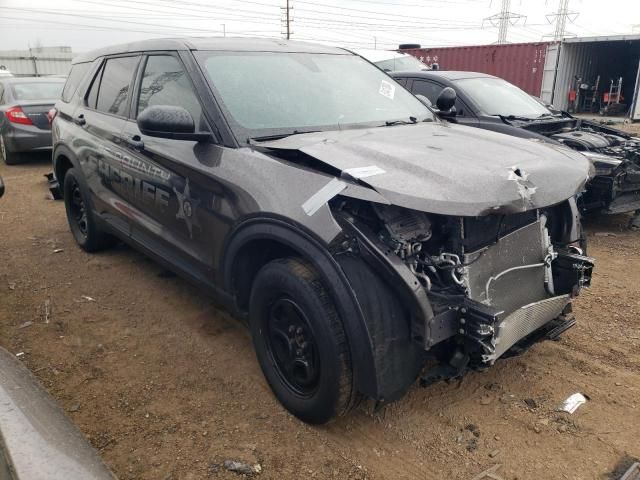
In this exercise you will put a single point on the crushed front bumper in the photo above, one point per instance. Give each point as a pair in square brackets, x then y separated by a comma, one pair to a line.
[515, 288]
[614, 192]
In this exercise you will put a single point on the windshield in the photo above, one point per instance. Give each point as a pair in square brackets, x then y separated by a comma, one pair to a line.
[495, 96]
[37, 90]
[401, 64]
[270, 93]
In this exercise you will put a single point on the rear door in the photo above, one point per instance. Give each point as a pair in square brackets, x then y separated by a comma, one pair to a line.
[176, 202]
[99, 124]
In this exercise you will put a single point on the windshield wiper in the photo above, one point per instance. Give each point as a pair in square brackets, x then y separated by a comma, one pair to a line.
[278, 136]
[411, 121]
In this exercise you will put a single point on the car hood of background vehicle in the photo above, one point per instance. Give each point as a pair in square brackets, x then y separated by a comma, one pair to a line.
[449, 169]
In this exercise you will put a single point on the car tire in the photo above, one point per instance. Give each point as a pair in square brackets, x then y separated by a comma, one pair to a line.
[300, 341]
[81, 218]
[7, 156]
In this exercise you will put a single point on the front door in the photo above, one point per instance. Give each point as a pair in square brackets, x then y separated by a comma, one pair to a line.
[177, 198]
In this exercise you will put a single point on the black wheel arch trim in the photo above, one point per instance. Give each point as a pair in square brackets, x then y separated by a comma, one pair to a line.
[61, 150]
[317, 253]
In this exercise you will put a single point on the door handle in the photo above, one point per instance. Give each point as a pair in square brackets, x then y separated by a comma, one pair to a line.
[79, 120]
[135, 142]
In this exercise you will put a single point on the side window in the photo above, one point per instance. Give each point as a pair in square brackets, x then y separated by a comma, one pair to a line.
[428, 89]
[1, 94]
[165, 82]
[78, 71]
[402, 81]
[92, 96]
[113, 94]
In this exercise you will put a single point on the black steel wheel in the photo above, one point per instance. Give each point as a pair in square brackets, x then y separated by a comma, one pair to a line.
[81, 219]
[300, 341]
[292, 347]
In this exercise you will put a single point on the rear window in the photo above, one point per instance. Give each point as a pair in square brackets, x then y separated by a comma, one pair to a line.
[76, 75]
[37, 90]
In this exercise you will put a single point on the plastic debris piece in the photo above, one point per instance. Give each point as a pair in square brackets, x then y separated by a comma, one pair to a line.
[242, 467]
[19, 354]
[572, 403]
[25, 325]
[88, 298]
[58, 250]
[47, 310]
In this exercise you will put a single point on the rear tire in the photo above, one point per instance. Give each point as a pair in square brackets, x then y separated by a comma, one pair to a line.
[300, 341]
[7, 156]
[81, 218]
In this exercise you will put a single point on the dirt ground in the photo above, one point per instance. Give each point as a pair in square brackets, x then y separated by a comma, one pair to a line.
[166, 386]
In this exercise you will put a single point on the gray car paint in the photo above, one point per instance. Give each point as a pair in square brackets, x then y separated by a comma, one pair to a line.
[37, 440]
[24, 138]
[420, 173]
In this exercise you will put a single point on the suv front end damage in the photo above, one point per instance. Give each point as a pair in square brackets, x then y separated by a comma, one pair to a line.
[481, 286]
[482, 248]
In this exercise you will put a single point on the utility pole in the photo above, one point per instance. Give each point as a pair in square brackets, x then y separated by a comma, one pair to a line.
[224, 29]
[286, 19]
[375, 43]
[503, 19]
[560, 19]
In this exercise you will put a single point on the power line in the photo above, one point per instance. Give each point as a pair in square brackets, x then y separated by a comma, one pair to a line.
[386, 15]
[503, 19]
[286, 19]
[560, 19]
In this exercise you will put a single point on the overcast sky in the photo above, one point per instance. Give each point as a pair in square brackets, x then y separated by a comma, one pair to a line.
[88, 24]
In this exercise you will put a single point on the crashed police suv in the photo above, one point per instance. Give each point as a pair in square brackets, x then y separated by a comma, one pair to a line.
[365, 242]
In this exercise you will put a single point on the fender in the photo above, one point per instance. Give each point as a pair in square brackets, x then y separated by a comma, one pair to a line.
[62, 150]
[59, 150]
[317, 253]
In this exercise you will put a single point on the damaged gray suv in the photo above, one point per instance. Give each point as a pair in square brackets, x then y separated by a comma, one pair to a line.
[366, 243]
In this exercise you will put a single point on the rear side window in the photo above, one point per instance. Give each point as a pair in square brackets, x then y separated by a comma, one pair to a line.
[78, 71]
[1, 94]
[113, 93]
[165, 82]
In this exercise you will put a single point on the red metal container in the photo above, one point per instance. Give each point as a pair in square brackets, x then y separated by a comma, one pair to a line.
[519, 63]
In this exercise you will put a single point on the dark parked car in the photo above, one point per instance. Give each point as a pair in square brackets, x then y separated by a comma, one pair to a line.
[356, 233]
[492, 103]
[24, 125]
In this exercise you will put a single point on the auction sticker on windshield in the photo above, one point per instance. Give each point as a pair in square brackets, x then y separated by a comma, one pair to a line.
[387, 89]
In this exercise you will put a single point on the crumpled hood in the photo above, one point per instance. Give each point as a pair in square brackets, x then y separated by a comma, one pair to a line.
[449, 169]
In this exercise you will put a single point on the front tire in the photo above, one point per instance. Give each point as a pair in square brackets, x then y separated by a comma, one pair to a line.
[81, 218]
[300, 341]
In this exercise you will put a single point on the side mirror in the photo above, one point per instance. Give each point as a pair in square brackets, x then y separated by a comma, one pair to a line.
[1, 187]
[425, 101]
[165, 121]
[446, 100]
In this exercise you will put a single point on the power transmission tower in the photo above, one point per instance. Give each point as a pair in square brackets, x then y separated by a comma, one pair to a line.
[286, 19]
[560, 20]
[503, 19]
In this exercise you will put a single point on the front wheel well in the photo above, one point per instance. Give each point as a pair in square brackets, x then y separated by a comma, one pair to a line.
[62, 166]
[249, 260]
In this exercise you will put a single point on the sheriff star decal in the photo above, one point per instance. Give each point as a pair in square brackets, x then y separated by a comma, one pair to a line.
[187, 208]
